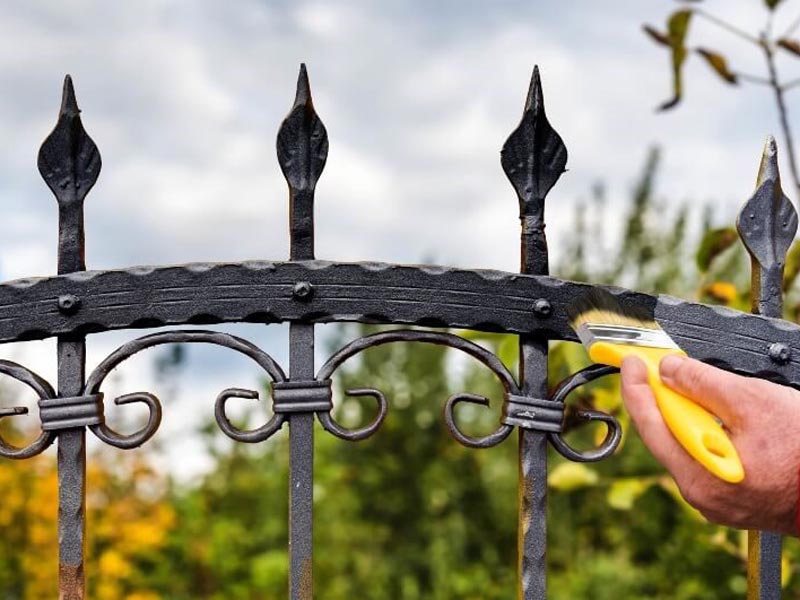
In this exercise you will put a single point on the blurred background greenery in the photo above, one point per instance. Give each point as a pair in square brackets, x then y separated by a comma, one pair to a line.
[410, 514]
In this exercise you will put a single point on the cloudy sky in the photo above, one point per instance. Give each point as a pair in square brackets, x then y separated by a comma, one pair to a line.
[184, 99]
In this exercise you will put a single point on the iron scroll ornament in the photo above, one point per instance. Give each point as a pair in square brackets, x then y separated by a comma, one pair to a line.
[429, 337]
[45, 391]
[264, 360]
[275, 372]
[613, 428]
[552, 408]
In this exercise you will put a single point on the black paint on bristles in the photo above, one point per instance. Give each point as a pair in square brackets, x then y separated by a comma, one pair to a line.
[601, 307]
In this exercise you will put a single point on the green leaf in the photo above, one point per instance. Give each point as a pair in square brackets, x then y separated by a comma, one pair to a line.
[792, 46]
[656, 35]
[714, 243]
[717, 62]
[508, 350]
[792, 268]
[771, 4]
[570, 476]
[677, 27]
[623, 493]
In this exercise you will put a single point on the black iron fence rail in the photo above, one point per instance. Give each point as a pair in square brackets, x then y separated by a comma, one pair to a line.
[305, 291]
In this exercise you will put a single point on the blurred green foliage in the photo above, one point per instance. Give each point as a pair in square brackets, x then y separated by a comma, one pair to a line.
[409, 514]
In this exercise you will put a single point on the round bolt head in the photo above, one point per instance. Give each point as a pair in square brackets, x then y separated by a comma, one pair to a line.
[542, 308]
[779, 353]
[68, 303]
[303, 290]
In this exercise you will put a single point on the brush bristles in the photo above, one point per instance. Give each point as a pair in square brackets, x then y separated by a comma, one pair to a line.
[600, 317]
[600, 307]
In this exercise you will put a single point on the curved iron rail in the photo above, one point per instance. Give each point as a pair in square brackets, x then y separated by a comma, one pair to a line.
[318, 291]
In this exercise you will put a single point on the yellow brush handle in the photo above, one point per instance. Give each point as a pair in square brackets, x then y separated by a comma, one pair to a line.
[696, 429]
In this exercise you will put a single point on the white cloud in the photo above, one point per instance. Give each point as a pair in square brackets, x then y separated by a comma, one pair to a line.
[184, 100]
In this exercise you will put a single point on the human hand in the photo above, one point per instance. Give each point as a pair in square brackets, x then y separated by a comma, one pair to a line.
[763, 421]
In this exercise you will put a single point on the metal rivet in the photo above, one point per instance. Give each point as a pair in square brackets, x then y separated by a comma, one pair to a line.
[68, 303]
[542, 308]
[303, 291]
[779, 353]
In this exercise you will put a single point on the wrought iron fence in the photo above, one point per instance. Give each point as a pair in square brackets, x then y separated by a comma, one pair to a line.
[304, 291]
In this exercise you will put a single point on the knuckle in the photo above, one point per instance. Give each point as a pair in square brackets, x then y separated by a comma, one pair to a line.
[698, 494]
[693, 496]
[693, 375]
[694, 499]
[728, 516]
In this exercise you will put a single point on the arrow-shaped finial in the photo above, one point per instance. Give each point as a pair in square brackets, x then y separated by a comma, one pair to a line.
[302, 151]
[767, 222]
[534, 155]
[69, 104]
[69, 163]
[535, 100]
[303, 94]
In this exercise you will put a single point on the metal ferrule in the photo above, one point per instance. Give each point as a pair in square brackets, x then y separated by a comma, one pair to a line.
[589, 333]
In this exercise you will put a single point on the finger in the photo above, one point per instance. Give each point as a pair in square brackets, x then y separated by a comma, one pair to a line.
[641, 405]
[720, 392]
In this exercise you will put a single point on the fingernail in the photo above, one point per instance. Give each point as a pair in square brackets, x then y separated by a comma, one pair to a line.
[629, 360]
[669, 364]
[631, 369]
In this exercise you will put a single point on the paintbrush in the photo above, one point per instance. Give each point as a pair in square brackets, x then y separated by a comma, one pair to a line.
[610, 331]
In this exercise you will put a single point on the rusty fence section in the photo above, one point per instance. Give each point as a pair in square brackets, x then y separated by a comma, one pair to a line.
[304, 291]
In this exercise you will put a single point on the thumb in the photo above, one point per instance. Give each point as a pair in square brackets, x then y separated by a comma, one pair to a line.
[720, 392]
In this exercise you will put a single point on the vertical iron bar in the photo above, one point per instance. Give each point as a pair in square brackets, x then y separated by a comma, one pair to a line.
[302, 147]
[301, 222]
[69, 162]
[71, 356]
[71, 476]
[301, 468]
[532, 538]
[767, 225]
[533, 158]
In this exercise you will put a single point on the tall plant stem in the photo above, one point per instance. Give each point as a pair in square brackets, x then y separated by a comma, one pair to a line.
[783, 113]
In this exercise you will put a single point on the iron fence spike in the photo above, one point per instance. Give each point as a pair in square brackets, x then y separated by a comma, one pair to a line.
[768, 168]
[303, 94]
[767, 225]
[767, 222]
[534, 155]
[302, 147]
[69, 104]
[535, 100]
[69, 160]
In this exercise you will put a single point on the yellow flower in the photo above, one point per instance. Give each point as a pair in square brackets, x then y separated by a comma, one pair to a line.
[722, 291]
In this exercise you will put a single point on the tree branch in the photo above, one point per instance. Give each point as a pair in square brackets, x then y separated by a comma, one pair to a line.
[727, 26]
[792, 28]
[782, 112]
[754, 78]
